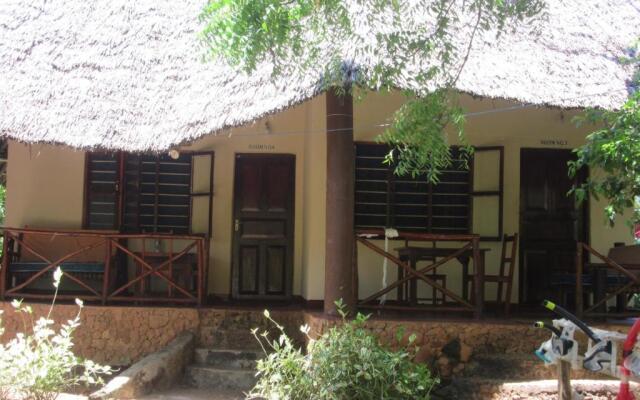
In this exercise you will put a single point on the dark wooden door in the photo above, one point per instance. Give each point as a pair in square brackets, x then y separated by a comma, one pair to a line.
[263, 223]
[550, 222]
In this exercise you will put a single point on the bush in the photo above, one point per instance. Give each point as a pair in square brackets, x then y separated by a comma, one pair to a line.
[39, 362]
[347, 362]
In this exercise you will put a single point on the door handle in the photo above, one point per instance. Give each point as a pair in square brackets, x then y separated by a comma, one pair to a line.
[236, 225]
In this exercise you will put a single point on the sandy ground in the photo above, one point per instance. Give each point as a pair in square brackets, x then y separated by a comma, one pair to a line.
[538, 390]
[176, 394]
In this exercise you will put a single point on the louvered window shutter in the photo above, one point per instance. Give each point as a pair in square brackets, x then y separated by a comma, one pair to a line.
[102, 191]
[383, 199]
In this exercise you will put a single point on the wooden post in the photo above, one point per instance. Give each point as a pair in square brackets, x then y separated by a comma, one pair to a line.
[564, 380]
[478, 266]
[579, 268]
[338, 281]
[106, 276]
[201, 274]
[5, 264]
[354, 271]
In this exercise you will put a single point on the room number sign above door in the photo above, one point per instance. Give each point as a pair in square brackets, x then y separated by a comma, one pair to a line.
[554, 142]
[263, 147]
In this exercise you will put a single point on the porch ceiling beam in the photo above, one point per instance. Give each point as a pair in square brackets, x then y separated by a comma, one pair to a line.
[339, 245]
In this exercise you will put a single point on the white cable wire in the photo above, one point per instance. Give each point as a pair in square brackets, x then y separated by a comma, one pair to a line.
[389, 233]
[384, 125]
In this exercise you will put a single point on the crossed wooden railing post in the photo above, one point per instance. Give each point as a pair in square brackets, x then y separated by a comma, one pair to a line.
[472, 244]
[634, 279]
[51, 265]
[153, 270]
[111, 242]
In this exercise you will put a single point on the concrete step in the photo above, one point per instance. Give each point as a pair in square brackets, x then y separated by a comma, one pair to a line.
[212, 337]
[207, 377]
[227, 359]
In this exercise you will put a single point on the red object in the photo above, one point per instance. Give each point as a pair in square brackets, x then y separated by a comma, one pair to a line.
[624, 393]
[636, 231]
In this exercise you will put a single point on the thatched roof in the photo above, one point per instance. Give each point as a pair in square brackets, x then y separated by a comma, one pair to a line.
[124, 74]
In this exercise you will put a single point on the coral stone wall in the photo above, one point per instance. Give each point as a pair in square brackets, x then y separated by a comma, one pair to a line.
[231, 328]
[122, 335]
[448, 346]
[112, 335]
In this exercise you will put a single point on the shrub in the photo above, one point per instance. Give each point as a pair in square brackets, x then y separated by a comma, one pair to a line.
[39, 362]
[347, 362]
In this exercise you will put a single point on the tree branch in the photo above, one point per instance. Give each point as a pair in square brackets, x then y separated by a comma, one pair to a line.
[469, 46]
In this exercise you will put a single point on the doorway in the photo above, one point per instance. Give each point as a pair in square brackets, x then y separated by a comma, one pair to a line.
[550, 222]
[263, 226]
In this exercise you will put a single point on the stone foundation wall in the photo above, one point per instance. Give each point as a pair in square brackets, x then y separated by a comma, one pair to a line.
[450, 346]
[122, 335]
[112, 335]
[231, 328]
[447, 345]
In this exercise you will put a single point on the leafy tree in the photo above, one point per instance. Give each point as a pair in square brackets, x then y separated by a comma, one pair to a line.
[374, 45]
[612, 152]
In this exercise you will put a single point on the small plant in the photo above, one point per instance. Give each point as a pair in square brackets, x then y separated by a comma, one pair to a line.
[39, 362]
[346, 362]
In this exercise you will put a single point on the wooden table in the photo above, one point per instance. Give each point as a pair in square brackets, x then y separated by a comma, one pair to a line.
[414, 254]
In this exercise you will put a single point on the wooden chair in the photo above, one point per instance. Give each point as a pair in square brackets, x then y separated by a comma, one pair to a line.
[505, 274]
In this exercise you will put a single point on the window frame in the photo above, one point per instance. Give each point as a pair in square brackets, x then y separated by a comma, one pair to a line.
[490, 193]
[470, 193]
[120, 191]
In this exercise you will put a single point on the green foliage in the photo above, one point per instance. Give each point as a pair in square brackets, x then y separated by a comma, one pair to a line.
[39, 362]
[418, 138]
[332, 39]
[347, 362]
[612, 153]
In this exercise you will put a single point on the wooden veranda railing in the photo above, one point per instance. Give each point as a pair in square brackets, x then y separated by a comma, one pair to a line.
[103, 266]
[469, 246]
[621, 281]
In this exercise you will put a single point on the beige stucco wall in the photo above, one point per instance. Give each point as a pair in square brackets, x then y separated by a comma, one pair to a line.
[286, 137]
[46, 186]
[498, 125]
[45, 183]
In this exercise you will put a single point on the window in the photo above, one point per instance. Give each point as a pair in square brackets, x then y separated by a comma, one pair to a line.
[383, 199]
[157, 193]
[147, 193]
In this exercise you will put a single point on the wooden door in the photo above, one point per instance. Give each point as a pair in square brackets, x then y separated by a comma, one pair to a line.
[263, 223]
[550, 222]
